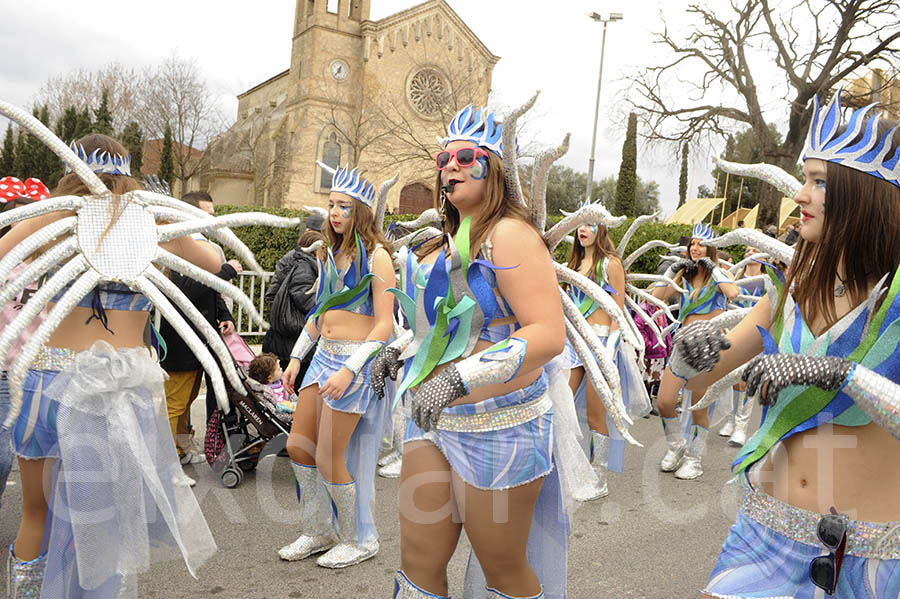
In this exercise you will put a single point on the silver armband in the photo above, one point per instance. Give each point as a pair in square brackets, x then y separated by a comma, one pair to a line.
[497, 364]
[365, 352]
[303, 345]
[877, 396]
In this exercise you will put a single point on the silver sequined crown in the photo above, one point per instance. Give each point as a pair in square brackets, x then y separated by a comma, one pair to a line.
[351, 183]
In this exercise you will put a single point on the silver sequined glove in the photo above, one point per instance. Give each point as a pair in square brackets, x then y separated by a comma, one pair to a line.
[706, 263]
[783, 370]
[386, 364]
[697, 347]
[434, 395]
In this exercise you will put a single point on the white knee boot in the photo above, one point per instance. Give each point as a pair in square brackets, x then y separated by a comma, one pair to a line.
[691, 467]
[316, 527]
[741, 421]
[348, 551]
[675, 443]
[732, 406]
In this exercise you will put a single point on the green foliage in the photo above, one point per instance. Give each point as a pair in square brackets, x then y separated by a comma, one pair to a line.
[103, 117]
[565, 190]
[8, 154]
[21, 163]
[268, 244]
[167, 158]
[626, 187]
[133, 139]
[683, 179]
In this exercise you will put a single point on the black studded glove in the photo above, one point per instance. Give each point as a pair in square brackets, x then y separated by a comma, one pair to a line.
[768, 374]
[386, 364]
[434, 395]
[688, 266]
[697, 348]
[706, 263]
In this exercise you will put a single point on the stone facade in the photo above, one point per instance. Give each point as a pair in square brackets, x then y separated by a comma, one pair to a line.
[360, 92]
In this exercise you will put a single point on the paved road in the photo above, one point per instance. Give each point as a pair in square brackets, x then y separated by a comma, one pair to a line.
[654, 537]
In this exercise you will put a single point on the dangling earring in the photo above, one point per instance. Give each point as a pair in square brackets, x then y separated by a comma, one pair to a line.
[443, 209]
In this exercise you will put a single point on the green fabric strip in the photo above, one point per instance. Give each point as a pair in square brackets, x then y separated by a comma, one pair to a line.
[697, 303]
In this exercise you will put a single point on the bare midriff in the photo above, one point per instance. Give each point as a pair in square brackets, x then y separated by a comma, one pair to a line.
[345, 326]
[853, 468]
[709, 316]
[75, 332]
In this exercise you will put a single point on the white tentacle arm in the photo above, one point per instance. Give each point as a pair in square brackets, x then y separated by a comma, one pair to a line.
[510, 151]
[633, 229]
[592, 214]
[541, 169]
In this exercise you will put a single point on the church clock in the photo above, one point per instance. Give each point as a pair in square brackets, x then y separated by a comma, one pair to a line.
[340, 70]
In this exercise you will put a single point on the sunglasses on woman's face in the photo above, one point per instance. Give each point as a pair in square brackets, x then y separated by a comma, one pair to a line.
[825, 569]
[465, 157]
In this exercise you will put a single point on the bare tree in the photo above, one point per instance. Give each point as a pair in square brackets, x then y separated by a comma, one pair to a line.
[358, 126]
[176, 93]
[815, 43]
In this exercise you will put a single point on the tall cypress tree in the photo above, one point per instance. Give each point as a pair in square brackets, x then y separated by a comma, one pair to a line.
[21, 164]
[133, 138]
[8, 153]
[167, 158]
[50, 167]
[103, 117]
[626, 187]
[683, 179]
[67, 124]
[83, 124]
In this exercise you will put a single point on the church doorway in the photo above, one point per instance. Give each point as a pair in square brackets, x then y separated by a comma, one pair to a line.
[416, 198]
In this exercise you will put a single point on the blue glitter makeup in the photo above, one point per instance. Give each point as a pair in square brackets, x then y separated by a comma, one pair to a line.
[479, 169]
[346, 210]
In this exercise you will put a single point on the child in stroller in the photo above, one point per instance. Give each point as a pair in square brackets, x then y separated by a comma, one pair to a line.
[266, 370]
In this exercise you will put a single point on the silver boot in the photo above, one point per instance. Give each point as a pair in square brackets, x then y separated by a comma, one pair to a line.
[600, 460]
[728, 428]
[316, 522]
[691, 467]
[675, 443]
[741, 420]
[495, 594]
[405, 589]
[348, 551]
[24, 579]
[392, 467]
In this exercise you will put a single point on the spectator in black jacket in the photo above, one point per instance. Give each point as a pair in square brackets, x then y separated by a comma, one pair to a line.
[290, 298]
[184, 369]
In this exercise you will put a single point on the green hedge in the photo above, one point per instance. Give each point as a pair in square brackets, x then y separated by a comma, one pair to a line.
[269, 243]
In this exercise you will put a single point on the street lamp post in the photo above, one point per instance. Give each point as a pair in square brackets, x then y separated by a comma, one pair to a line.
[616, 16]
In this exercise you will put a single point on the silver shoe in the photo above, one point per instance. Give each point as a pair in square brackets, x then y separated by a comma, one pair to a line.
[348, 551]
[405, 589]
[388, 458]
[741, 421]
[727, 428]
[691, 468]
[495, 594]
[600, 445]
[675, 443]
[24, 579]
[392, 469]
[317, 529]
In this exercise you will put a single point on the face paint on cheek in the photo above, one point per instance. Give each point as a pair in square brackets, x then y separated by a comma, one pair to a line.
[346, 211]
[479, 168]
[593, 228]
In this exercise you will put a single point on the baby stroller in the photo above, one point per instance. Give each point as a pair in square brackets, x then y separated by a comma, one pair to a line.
[235, 441]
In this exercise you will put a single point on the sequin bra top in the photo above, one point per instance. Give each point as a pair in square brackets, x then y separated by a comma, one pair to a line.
[349, 290]
[585, 304]
[868, 334]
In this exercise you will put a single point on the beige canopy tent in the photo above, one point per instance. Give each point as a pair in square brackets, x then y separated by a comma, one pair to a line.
[699, 209]
[748, 215]
[694, 211]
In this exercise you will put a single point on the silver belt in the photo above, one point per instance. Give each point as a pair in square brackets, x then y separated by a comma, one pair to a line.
[495, 420]
[341, 347]
[871, 540]
[53, 358]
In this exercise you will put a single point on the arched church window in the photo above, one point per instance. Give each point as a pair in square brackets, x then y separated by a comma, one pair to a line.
[331, 155]
[427, 91]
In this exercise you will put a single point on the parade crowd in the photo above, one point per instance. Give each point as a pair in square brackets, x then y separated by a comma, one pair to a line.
[452, 352]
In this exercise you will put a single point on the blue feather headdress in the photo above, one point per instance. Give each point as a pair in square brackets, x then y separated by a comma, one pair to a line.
[101, 161]
[477, 126]
[703, 232]
[350, 182]
[869, 154]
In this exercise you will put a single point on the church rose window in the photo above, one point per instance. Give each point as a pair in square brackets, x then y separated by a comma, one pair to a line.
[427, 90]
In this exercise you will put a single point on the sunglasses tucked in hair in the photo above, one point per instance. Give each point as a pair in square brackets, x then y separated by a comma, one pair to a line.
[825, 569]
[464, 157]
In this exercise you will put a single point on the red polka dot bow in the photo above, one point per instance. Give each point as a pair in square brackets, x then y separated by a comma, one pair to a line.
[12, 188]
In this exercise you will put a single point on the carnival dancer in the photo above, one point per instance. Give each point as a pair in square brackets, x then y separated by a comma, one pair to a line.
[336, 432]
[707, 290]
[488, 414]
[815, 476]
[594, 256]
[87, 400]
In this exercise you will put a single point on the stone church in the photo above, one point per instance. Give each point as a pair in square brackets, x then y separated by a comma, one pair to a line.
[370, 93]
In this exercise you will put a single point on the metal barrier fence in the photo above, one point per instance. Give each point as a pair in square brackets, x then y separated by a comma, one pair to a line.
[254, 285]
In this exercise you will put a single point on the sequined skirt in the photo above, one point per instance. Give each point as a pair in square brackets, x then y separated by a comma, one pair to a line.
[769, 549]
[329, 358]
[498, 443]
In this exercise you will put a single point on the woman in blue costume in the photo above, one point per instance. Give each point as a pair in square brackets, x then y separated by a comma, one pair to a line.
[706, 292]
[820, 510]
[594, 256]
[102, 489]
[485, 320]
[337, 425]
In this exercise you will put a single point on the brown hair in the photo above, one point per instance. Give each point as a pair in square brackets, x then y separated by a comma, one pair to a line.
[712, 254]
[10, 205]
[497, 205]
[862, 215]
[262, 367]
[309, 237]
[195, 197]
[603, 248]
[362, 221]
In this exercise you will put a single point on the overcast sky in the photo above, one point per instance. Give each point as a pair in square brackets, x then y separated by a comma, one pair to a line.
[551, 46]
